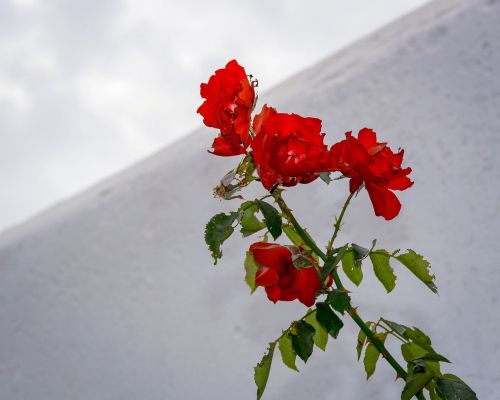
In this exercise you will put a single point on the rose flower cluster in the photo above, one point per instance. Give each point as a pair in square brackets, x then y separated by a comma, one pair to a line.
[288, 149]
[279, 276]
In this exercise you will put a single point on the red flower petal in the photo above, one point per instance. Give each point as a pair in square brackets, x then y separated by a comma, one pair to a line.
[385, 203]
[271, 255]
[266, 276]
[400, 183]
[373, 163]
[354, 184]
[229, 98]
[287, 148]
[227, 146]
[273, 293]
[307, 284]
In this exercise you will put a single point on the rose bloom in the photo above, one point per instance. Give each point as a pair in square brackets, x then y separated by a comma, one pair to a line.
[279, 276]
[373, 163]
[229, 99]
[287, 149]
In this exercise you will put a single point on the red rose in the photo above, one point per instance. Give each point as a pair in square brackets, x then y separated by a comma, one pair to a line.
[287, 149]
[280, 278]
[229, 102]
[367, 161]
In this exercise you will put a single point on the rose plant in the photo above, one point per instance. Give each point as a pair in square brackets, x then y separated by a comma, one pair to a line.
[282, 150]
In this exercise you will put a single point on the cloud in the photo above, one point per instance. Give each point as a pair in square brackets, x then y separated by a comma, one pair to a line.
[88, 87]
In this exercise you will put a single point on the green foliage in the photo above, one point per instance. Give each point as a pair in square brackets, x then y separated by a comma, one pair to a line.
[419, 267]
[272, 217]
[417, 350]
[382, 269]
[320, 337]
[325, 177]
[328, 319]
[351, 269]
[433, 357]
[401, 329]
[331, 263]
[262, 369]
[250, 224]
[450, 387]
[415, 384]
[412, 351]
[299, 258]
[424, 368]
[251, 269]
[352, 259]
[217, 230]
[294, 237]
[372, 355]
[359, 253]
[288, 355]
[431, 387]
[302, 335]
[236, 179]
[339, 300]
[360, 342]
[297, 240]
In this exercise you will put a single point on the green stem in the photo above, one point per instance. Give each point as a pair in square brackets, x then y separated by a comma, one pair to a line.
[337, 224]
[303, 234]
[338, 283]
[288, 329]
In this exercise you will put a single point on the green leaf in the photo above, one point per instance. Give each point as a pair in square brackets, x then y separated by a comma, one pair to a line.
[399, 328]
[372, 355]
[288, 356]
[325, 177]
[352, 271]
[218, 229]
[302, 335]
[382, 269]
[432, 366]
[339, 300]
[328, 319]
[251, 269]
[320, 337]
[431, 387]
[418, 336]
[249, 222]
[262, 369]
[359, 253]
[419, 267]
[272, 217]
[299, 258]
[331, 263]
[415, 384]
[433, 357]
[450, 387]
[294, 237]
[360, 343]
[412, 351]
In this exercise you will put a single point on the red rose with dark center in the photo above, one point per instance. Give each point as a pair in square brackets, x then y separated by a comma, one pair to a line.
[367, 161]
[228, 106]
[287, 149]
[279, 276]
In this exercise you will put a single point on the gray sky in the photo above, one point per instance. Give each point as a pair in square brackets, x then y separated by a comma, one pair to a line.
[89, 87]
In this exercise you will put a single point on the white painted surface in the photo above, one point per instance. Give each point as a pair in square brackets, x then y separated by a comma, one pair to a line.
[111, 295]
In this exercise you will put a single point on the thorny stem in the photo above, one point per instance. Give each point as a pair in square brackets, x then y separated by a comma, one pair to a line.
[337, 224]
[338, 283]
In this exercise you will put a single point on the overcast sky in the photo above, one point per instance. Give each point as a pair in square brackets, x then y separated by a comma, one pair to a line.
[89, 87]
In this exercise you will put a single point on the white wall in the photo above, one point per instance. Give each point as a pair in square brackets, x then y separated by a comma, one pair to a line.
[111, 295]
